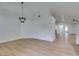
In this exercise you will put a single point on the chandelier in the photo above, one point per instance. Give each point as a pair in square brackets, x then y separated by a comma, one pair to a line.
[22, 18]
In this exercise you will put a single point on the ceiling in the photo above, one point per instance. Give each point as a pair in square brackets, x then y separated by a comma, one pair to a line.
[69, 10]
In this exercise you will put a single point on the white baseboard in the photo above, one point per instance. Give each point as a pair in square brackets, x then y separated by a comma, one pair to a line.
[7, 40]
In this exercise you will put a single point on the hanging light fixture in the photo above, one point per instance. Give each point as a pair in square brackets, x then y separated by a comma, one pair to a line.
[22, 19]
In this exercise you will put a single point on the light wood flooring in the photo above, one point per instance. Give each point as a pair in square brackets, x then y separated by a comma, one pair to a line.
[34, 47]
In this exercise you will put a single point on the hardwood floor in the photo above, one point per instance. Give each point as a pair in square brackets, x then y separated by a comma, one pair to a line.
[33, 47]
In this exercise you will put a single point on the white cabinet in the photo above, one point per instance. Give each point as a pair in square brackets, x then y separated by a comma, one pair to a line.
[77, 38]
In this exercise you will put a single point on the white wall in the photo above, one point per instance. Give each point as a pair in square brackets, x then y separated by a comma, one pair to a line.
[73, 28]
[9, 26]
[40, 28]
